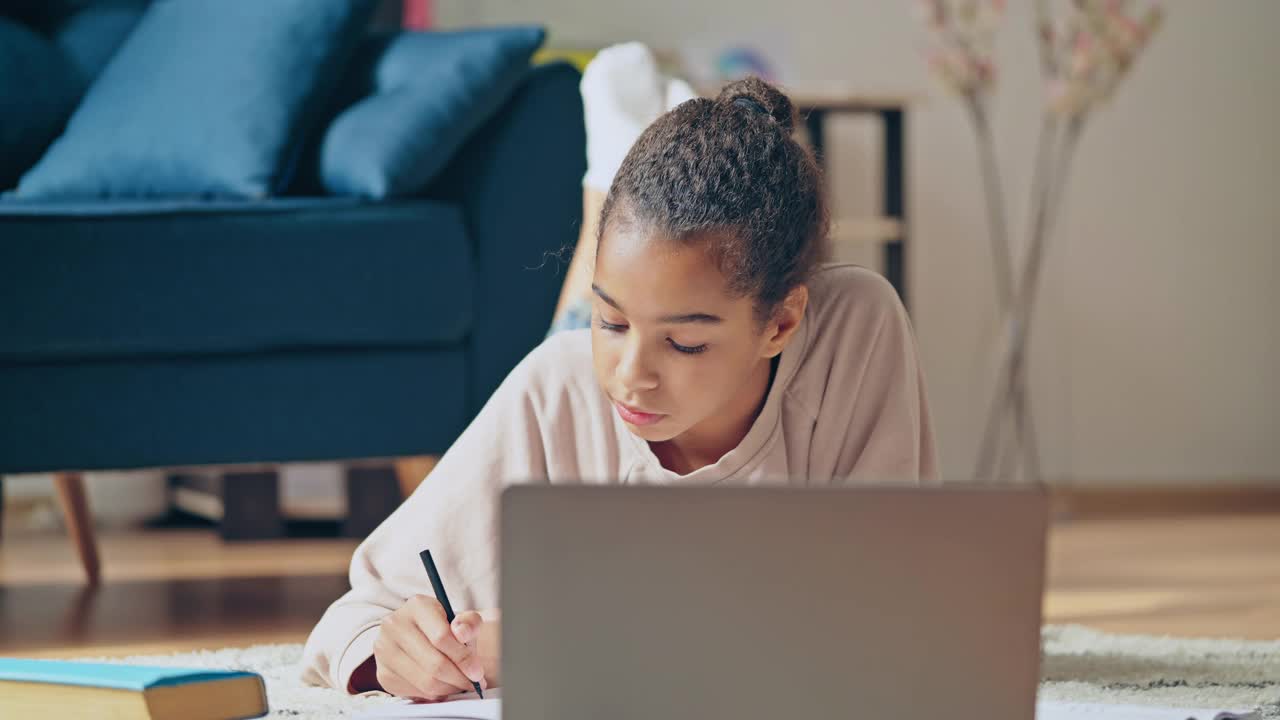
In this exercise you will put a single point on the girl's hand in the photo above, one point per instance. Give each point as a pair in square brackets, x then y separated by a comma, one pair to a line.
[419, 655]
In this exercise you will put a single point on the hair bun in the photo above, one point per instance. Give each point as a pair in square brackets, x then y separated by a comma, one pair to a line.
[758, 95]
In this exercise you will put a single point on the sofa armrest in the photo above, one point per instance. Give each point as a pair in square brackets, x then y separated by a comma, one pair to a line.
[519, 181]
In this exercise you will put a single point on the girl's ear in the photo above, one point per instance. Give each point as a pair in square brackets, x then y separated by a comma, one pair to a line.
[783, 325]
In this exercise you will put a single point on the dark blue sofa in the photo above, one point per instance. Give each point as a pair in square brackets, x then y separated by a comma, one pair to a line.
[169, 333]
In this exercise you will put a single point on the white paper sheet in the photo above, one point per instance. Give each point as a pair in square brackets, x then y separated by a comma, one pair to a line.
[463, 707]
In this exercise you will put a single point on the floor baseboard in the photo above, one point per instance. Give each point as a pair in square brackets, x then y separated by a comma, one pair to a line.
[1162, 500]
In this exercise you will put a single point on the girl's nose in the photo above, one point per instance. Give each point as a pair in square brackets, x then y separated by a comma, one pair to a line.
[635, 372]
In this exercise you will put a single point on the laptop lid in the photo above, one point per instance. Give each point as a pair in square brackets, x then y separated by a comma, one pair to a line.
[625, 602]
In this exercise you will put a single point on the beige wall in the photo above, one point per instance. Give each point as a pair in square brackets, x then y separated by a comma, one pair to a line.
[1158, 341]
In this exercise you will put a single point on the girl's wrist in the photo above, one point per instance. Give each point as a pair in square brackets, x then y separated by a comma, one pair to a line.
[488, 646]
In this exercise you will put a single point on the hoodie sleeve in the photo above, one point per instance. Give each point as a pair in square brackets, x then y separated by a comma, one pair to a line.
[454, 513]
[874, 408]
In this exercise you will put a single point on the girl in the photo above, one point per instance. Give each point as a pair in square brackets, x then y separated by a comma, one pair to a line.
[720, 352]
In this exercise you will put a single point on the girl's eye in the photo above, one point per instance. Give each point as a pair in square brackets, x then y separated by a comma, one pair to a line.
[686, 349]
[611, 327]
[618, 328]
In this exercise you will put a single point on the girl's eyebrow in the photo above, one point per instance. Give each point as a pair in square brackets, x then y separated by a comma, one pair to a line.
[697, 317]
[691, 318]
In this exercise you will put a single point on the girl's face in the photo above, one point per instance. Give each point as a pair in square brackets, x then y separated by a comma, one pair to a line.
[672, 349]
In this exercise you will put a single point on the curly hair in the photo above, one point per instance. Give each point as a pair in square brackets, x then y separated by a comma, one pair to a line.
[728, 173]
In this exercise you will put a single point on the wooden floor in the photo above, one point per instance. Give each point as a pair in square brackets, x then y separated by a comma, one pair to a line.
[175, 590]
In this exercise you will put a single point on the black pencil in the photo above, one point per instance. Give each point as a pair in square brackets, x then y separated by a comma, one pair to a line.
[438, 586]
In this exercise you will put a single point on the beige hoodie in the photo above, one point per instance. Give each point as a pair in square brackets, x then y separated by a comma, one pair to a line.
[847, 405]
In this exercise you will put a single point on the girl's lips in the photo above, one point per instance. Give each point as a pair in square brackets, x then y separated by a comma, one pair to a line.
[636, 417]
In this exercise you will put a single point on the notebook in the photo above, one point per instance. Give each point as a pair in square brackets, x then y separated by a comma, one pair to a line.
[62, 689]
[491, 709]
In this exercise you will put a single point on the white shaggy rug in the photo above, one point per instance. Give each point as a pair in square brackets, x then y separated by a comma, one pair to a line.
[1080, 665]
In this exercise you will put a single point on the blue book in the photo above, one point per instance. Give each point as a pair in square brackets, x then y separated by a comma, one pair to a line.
[63, 689]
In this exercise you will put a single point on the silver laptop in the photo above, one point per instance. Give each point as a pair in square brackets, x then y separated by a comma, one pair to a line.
[657, 603]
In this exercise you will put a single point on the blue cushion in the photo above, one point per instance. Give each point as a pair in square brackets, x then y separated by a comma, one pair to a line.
[430, 92]
[204, 99]
[87, 31]
[39, 88]
[90, 35]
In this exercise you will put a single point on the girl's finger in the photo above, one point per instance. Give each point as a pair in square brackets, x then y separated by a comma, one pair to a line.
[395, 671]
[432, 664]
[466, 627]
[433, 624]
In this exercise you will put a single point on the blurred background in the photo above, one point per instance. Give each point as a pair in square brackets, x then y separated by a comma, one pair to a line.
[1156, 332]
[1151, 368]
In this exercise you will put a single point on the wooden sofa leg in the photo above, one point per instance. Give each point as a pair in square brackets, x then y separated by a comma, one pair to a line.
[75, 513]
[411, 470]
